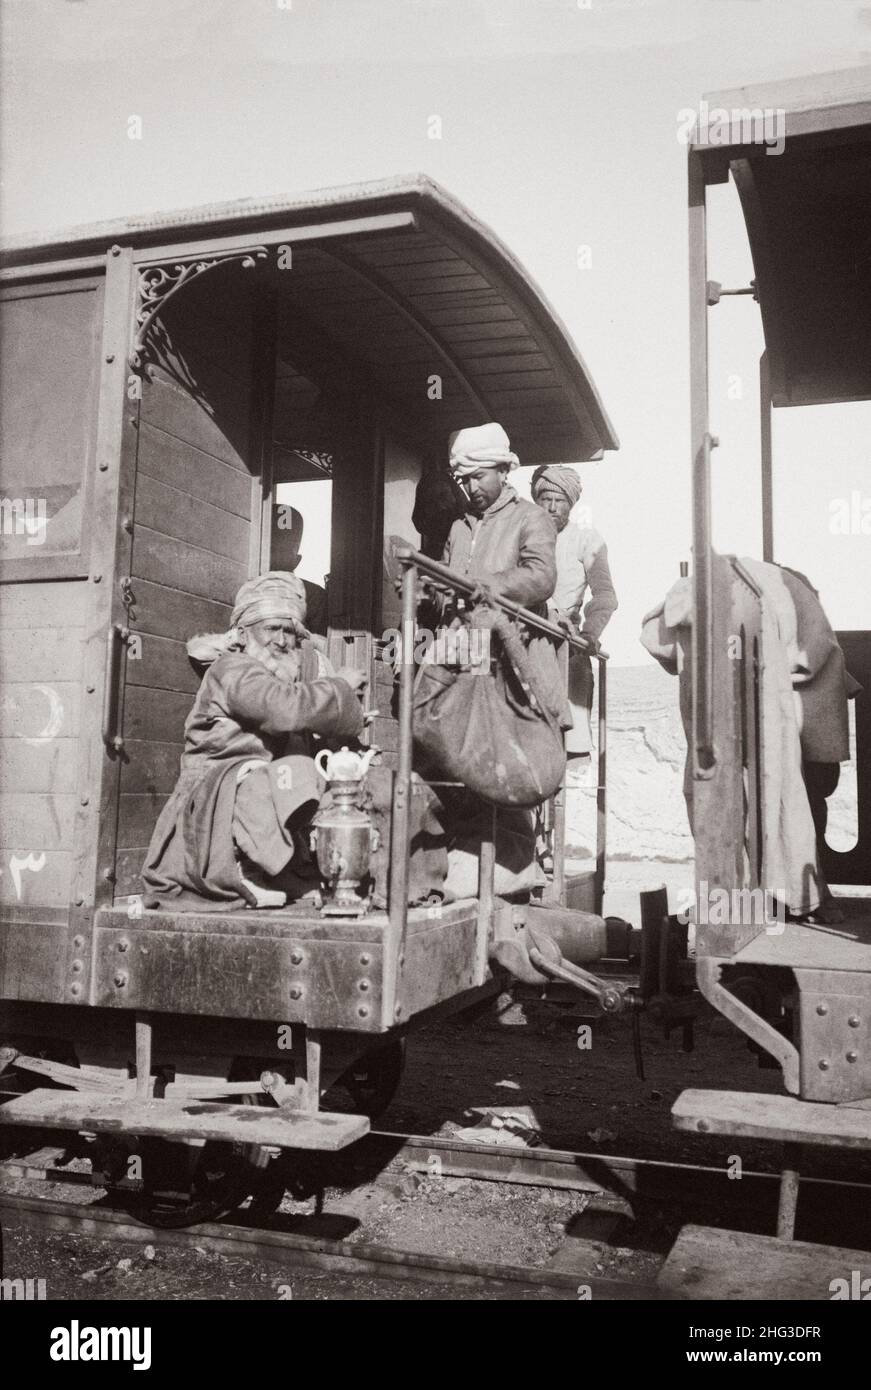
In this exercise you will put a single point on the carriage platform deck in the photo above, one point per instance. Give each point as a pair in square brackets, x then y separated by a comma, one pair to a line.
[845, 946]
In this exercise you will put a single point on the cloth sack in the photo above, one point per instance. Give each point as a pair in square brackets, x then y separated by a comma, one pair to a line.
[494, 731]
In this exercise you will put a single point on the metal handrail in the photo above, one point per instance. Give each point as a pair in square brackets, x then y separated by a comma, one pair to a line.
[464, 585]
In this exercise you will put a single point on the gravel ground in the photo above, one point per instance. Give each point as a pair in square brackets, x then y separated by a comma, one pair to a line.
[585, 1099]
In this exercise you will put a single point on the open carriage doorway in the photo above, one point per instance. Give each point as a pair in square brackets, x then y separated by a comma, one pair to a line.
[254, 449]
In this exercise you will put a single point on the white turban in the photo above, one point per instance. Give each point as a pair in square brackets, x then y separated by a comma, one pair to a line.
[480, 446]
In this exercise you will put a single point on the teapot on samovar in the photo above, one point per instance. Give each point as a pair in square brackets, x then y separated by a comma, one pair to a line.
[343, 837]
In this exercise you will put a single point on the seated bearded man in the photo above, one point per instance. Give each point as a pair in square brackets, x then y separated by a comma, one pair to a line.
[248, 784]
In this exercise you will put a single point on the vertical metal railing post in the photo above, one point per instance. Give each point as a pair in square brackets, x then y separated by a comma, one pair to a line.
[702, 443]
[558, 803]
[766, 458]
[486, 898]
[394, 939]
[601, 790]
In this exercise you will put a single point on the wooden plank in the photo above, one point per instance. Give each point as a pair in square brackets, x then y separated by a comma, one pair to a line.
[39, 712]
[383, 256]
[183, 1118]
[43, 605]
[446, 316]
[533, 361]
[708, 1263]
[172, 460]
[137, 816]
[170, 407]
[150, 766]
[475, 333]
[164, 560]
[168, 612]
[453, 286]
[41, 653]
[470, 351]
[47, 884]
[34, 819]
[155, 715]
[174, 513]
[518, 398]
[751, 1115]
[413, 273]
[163, 664]
[44, 767]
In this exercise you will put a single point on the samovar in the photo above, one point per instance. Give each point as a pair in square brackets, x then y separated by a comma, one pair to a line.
[343, 837]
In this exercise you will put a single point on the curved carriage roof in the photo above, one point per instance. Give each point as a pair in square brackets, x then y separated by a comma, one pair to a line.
[808, 215]
[409, 283]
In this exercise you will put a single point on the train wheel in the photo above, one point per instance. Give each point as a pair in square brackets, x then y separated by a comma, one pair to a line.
[183, 1185]
[372, 1081]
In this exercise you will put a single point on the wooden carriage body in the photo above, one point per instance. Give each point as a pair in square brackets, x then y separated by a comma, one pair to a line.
[164, 380]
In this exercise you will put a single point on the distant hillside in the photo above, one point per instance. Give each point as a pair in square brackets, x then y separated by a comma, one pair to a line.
[646, 752]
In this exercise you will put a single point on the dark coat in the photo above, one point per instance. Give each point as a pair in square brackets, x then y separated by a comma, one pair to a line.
[512, 549]
[241, 712]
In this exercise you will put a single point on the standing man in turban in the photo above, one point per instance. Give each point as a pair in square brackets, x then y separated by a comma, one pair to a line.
[582, 564]
[247, 785]
[502, 541]
[508, 546]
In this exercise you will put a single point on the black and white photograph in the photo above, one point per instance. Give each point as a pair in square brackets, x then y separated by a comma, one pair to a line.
[435, 671]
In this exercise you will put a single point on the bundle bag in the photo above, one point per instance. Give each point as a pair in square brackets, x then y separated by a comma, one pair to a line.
[491, 728]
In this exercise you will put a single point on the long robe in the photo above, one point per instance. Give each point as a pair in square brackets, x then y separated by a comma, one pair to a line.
[582, 564]
[242, 713]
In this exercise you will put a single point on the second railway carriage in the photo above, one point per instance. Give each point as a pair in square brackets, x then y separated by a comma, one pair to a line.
[801, 991]
[169, 384]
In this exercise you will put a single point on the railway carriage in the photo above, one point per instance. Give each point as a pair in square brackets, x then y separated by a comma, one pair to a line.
[171, 386]
[801, 992]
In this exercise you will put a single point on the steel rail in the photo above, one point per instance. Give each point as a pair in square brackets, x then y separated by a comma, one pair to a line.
[599, 1175]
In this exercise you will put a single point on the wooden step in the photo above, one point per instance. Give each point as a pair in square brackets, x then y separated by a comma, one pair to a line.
[706, 1263]
[752, 1115]
[184, 1119]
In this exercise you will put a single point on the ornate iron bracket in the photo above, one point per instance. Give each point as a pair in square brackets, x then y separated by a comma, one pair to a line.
[160, 283]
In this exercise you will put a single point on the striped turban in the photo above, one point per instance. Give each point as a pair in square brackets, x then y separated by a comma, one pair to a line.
[277, 594]
[558, 476]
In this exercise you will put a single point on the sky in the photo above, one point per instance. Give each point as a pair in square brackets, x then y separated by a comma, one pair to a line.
[558, 128]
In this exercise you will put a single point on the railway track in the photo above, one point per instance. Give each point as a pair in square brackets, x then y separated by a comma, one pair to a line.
[614, 1187]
